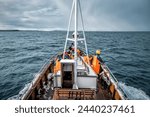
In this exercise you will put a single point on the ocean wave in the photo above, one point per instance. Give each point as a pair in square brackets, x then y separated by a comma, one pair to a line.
[29, 59]
[20, 94]
[4, 50]
[31, 48]
[133, 93]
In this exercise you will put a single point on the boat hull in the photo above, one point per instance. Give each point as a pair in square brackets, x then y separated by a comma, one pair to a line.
[42, 88]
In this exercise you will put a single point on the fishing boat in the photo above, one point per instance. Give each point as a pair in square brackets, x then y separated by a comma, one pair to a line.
[73, 74]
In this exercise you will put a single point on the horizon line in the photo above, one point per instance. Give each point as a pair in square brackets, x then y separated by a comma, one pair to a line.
[72, 30]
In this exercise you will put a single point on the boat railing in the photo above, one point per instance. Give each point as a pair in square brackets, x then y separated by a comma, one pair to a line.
[85, 65]
[112, 76]
[45, 65]
[124, 94]
[39, 73]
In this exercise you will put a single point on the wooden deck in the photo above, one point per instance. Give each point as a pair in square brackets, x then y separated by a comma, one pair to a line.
[74, 94]
[82, 94]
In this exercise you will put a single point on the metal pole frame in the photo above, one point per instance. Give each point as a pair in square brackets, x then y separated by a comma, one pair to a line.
[75, 5]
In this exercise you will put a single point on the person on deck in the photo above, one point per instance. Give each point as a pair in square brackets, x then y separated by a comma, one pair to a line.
[104, 79]
[59, 56]
[67, 55]
[97, 62]
[98, 52]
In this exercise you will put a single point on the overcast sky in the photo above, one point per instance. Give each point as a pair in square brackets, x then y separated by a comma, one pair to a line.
[102, 15]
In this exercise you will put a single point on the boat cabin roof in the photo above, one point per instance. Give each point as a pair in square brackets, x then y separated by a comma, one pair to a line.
[67, 61]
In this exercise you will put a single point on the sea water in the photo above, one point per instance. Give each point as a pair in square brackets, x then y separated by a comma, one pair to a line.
[23, 53]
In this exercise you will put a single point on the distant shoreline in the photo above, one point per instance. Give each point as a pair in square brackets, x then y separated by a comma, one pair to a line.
[9, 30]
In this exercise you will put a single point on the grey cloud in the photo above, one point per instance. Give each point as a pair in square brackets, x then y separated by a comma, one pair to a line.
[102, 15]
[121, 14]
[24, 14]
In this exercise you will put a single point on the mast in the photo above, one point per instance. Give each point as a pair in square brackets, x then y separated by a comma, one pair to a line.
[75, 7]
[75, 44]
